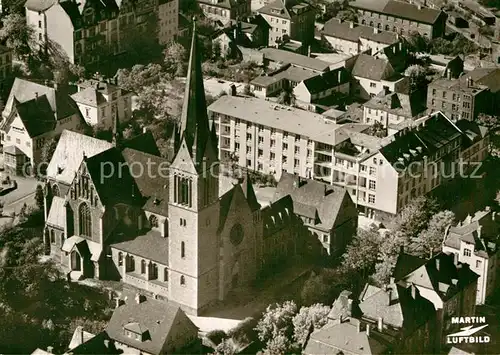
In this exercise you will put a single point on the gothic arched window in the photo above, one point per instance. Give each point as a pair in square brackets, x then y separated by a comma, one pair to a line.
[55, 190]
[52, 237]
[183, 280]
[143, 266]
[153, 221]
[85, 220]
[154, 271]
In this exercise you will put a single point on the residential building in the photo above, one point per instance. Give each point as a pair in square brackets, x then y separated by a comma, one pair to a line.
[403, 309]
[464, 98]
[401, 17]
[168, 20]
[475, 242]
[475, 144]
[478, 12]
[396, 54]
[289, 19]
[449, 284]
[100, 101]
[275, 58]
[164, 231]
[5, 65]
[22, 133]
[89, 32]
[351, 38]
[328, 211]
[225, 10]
[374, 75]
[393, 108]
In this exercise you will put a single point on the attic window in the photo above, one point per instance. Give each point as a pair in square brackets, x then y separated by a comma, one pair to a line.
[60, 170]
[135, 331]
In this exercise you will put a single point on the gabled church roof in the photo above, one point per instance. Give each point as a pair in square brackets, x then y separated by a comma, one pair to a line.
[249, 193]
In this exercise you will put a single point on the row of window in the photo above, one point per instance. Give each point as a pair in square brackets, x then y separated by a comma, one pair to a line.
[153, 268]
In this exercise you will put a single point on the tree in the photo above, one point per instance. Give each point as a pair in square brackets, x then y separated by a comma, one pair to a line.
[48, 149]
[429, 240]
[348, 15]
[276, 320]
[278, 345]
[175, 61]
[226, 347]
[309, 318]
[139, 76]
[414, 217]
[361, 253]
[141, 42]
[417, 75]
[244, 333]
[417, 43]
[377, 130]
[19, 37]
[39, 198]
[156, 101]
[287, 97]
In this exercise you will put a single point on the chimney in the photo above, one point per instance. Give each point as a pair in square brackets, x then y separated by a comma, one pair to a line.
[413, 291]
[375, 30]
[368, 330]
[339, 76]
[487, 208]
[139, 298]
[50, 349]
[232, 90]
[351, 24]
[309, 51]
[455, 259]
[36, 95]
[419, 7]
[437, 264]
[82, 340]
[380, 324]
[479, 229]
[493, 215]
[389, 294]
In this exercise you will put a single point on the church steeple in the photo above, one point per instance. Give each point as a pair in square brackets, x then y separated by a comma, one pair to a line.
[117, 137]
[194, 126]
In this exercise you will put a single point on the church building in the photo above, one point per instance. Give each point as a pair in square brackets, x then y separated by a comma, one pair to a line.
[164, 230]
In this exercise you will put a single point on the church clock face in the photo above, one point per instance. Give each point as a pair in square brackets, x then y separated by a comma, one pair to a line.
[236, 235]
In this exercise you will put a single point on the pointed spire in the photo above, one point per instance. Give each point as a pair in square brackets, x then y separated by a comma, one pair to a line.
[194, 118]
[249, 192]
[116, 130]
[213, 134]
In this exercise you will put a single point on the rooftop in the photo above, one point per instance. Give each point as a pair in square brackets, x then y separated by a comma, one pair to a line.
[372, 68]
[284, 9]
[353, 32]
[482, 79]
[399, 104]
[298, 60]
[284, 118]
[150, 245]
[399, 9]
[287, 72]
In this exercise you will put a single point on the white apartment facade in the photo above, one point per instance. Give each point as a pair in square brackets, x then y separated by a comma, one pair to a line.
[270, 138]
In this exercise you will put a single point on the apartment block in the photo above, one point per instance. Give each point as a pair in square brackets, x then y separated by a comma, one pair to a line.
[466, 97]
[474, 241]
[351, 38]
[168, 20]
[289, 19]
[225, 10]
[88, 31]
[401, 17]
[271, 138]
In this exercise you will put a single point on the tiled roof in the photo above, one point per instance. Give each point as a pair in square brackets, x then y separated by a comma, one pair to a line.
[287, 119]
[84, 246]
[342, 307]
[369, 67]
[277, 215]
[407, 105]
[406, 264]
[483, 78]
[442, 275]
[99, 85]
[353, 32]
[413, 144]
[346, 338]
[37, 116]
[144, 142]
[279, 55]
[226, 4]
[399, 9]
[69, 152]
[249, 193]
[473, 132]
[99, 344]
[57, 213]
[79, 336]
[39, 5]
[150, 245]
[156, 317]
[325, 200]
[288, 72]
[112, 178]
[271, 7]
[328, 80]
[89, 96]
[399, 307]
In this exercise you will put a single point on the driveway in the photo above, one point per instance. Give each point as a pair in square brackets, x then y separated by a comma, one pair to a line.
[25, 193]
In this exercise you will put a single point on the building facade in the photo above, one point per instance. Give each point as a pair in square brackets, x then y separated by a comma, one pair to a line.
[401, 17]
[393, 108]
[168, 20]
[289, 19]
[225, 10]
[475, 242]
[100, 101]
[5, 66]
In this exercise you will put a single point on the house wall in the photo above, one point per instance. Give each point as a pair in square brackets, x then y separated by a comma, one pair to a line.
[371, 115]
[168, 21]
[38, 22]
[60, 30]
[343, 45]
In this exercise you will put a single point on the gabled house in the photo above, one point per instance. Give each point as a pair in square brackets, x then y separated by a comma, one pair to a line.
[327, 211]
[449, 284]
[475, 241]
[225, 10]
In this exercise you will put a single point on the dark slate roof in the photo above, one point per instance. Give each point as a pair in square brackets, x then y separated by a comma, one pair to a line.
[249, 193]
[312, 198]
[442, 275]
[407, 105]
[226, 4]
[37, 116]
[399, 307]
[277, 215]
[144, 142]
[224, 206]
[89, 96]
[338, 29]
[100, 344]
[328, 80]
[399, 9]
[295, 59]
[150, 245]
[117, 184]
[369, 67]
[157, 318]
[405, 264]
[152, 185]
[413, 144]
[472, 132]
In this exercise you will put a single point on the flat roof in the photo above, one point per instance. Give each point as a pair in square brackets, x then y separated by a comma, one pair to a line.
[288, 119]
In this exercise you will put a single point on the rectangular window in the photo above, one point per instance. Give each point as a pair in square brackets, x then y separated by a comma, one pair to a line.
[373, 85]
[371, 198]
[372, 185]
[39, 24]
[297, 150]
[478, 263]
[467, 252]
[296, 163]
[372, 170]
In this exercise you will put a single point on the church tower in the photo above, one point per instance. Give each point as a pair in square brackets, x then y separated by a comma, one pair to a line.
[193, 210]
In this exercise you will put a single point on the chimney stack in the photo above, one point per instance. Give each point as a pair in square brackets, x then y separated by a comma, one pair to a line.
[479, 229]
[82, 340]
[419, 7]
[493, 215]
[413, 291]
[380, 324]
[368, 330]
[339, 76]
[437, 264]
[448, 73]
[375, 30]
[351, 24]
[455, 259]
[36, 95]
[232, 90]
[309, 51]
[50, 349]
[359, 326]
[119, 302]
[144, 129]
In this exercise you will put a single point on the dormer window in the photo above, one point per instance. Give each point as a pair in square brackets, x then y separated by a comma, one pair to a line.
[134, 331]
